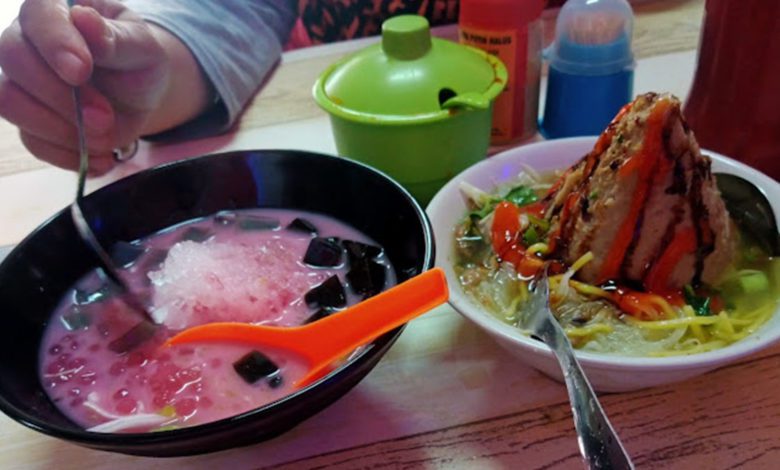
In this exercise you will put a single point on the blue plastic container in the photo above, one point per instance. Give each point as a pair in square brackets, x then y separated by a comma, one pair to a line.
[591, 68]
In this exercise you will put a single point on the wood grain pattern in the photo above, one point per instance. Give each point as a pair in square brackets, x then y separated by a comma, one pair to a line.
[716, 421]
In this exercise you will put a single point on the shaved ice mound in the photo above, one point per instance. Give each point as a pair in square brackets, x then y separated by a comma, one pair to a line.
[221, 281]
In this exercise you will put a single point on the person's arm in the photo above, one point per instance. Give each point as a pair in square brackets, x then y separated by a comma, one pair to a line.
[137, 77]
[234, 42]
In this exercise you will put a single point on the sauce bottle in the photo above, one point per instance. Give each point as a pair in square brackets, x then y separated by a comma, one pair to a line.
[511, 30]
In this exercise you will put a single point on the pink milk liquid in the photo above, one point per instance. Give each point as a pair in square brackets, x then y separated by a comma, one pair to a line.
[225, 273]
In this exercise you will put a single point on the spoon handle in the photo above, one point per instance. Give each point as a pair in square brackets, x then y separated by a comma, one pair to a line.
[82, 142]
[342, 332]
[598, 441]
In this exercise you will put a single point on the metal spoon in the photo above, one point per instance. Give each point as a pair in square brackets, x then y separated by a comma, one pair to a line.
[131, 298]
[598, 441]
[750, 209]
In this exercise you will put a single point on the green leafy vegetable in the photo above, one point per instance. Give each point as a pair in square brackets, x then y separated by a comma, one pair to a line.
[542, 225]
[701, 305]
[483, 211]
[530, 236]
[521, 195]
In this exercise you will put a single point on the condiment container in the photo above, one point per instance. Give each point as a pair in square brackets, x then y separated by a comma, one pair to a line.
[512, 31]
[591, 72]
[416, 107]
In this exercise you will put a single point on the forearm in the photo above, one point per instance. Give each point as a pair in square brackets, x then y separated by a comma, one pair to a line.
[233, 44]
[188, 92]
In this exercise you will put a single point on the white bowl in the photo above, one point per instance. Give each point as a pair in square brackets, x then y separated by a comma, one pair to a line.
[611, 373]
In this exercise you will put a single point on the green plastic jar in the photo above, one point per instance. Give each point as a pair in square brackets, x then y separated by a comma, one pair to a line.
[416, 107]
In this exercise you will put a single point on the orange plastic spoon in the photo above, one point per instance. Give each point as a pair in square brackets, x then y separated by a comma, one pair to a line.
[322, 342]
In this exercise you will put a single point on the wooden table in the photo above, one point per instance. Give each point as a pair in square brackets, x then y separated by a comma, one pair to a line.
[445, 396]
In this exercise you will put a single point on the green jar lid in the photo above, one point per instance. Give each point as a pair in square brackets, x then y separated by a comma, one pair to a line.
[408, 76]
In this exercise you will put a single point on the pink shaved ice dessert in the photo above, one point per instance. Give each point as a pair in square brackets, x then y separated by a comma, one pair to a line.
[106, 367]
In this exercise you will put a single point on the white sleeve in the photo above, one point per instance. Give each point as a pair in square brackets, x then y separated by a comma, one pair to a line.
[236, 42]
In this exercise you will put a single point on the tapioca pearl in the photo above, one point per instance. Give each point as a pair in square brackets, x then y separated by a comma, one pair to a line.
[54, 368]
[118, 368]
[104, 329]
[89, 377]
[63, 358]
[52, 383]
[185, 351]
[74, 345]
[78, 401]
[126, 406]
[186, 407]
[166, 372]
[136, 378]
[67, 338]
[120, 394]
[74, 392]
[55, 349]
[164, 384]
[161, 399]
[136, 359]
[189, 375]
[76, 364]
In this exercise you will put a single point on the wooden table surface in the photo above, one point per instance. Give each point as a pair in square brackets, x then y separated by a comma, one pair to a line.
[445, 396]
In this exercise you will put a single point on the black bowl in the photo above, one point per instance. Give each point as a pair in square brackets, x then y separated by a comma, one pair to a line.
[38, 272]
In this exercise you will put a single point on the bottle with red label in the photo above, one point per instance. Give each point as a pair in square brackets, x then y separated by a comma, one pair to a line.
[511, 30]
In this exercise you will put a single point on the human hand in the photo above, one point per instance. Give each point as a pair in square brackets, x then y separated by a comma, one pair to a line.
[117, 59]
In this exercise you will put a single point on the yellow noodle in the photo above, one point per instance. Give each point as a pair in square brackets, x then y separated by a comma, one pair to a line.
[671, 324]
[510, 312]
[581, 261]
[761, 312]
[536, 248]
[588, 289]
[592, 329]
[695, 329]
[523, 288]
[723, 328]
[667, 309]
[761, 316]
[708, 346]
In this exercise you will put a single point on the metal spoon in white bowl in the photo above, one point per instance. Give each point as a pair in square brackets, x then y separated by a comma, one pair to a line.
[750, 210]
[598, 441]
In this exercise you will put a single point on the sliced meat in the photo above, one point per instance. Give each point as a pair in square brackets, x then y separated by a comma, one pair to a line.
[644, 201]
